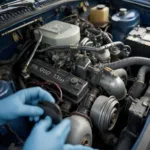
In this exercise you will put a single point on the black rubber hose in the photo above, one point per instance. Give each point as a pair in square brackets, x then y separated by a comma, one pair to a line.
[136, 90]
[106, 37]
[142, 73]
[21, 83]
[24, 50]
[104, 34]
[94, 31]
[129, 62]
[138, 87]
[81, 48]
[9, 61]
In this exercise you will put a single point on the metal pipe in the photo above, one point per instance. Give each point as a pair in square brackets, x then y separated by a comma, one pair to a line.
[33, 53]
[26, 24]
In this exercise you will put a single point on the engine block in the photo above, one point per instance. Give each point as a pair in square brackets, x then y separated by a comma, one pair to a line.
[74, 88]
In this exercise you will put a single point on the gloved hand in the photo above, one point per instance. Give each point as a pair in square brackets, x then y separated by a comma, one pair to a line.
[43, 139]
[23, 103]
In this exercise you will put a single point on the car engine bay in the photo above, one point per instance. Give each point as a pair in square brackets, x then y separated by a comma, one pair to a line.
[93, 59]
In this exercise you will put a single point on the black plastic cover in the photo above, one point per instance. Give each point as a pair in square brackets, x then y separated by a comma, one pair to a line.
[74, 88]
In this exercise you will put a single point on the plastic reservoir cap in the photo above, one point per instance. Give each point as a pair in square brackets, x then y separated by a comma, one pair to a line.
[100, 6]
[123, 11]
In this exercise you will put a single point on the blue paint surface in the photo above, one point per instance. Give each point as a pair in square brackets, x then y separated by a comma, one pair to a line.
[122, 25]
[7, 44]
[143, 10]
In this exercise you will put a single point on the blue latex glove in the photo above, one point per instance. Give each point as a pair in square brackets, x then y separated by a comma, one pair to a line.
[23, 103]
[54, 139]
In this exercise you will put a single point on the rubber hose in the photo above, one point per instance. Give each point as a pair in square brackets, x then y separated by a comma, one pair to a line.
[106, 37]
[9, 61]
[122, 74]
[136, 90]
[21, 83]
[81, 48]
[142, 73]
[139, 86]
[23, 52]
[128, 62]
[94, 31]
[104, 34]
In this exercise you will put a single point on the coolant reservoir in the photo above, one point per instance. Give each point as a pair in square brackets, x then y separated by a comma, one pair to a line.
[99, 15]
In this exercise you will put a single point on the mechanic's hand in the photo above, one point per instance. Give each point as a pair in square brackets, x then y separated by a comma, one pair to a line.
[23, 103]
[43, 139]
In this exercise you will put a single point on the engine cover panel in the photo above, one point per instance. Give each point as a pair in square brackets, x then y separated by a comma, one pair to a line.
[73, 88]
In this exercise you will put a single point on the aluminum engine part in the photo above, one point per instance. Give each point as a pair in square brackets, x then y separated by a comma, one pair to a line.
[122, 73]
[81, 132]
[58, 33]
[74, 88]
[112, 84]
[104, 113]
[82, 65]
[105, 78]
[87, 42]
[104, 57]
